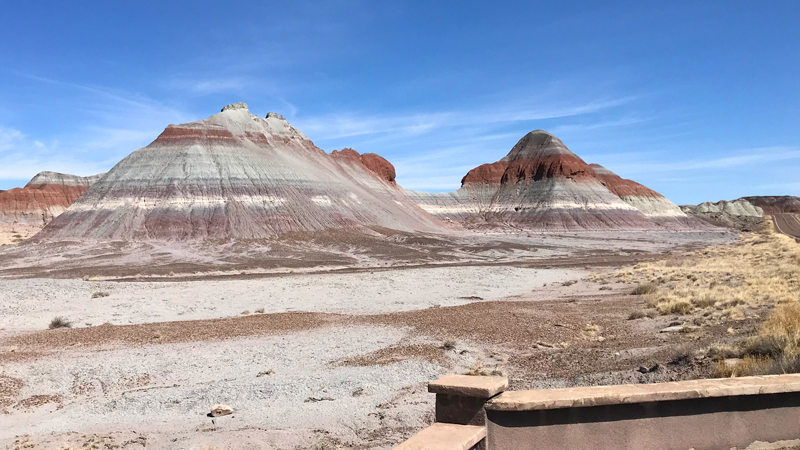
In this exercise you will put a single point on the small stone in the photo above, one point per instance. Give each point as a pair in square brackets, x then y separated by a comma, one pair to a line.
[221, 410]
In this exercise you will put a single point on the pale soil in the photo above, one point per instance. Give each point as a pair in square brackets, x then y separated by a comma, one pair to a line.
[15, 233]
[29, 304]
[343, 357]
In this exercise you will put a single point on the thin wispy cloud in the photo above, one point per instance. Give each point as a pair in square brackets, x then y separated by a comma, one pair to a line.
[339, 125]
[115, 123]
[757, 156]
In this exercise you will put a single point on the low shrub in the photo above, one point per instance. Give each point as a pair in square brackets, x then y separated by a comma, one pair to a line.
[682, 354]
[644, 289]
[637, 315]
[675, 306]
[59, 322]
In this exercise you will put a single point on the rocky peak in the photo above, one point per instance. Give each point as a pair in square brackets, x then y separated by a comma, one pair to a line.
[239, 105]
[537, 144]
[272, 115]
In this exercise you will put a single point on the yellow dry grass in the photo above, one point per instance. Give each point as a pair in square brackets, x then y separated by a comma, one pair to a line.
[732, 282]
[757, 270]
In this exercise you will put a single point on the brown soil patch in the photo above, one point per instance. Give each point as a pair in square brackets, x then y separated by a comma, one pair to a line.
[398, 353]
[9, 389]
[568, 338]
[172, 332]
[38, 400]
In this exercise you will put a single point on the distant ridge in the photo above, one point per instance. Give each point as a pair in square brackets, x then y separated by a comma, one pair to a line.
[652, 204]
[47, 195]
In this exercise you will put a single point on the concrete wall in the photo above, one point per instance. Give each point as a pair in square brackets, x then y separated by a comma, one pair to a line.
[702, 423]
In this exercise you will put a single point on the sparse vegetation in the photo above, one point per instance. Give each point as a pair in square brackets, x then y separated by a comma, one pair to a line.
[644, 289]
[733, 280]
[59, 322]
[634, 315]
[100, 294]
[730, 283]
[674, 305]
[682, 354]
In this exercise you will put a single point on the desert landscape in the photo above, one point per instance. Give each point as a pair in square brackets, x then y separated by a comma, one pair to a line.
[232, 262]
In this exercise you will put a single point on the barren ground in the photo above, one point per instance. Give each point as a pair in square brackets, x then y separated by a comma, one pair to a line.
[317, 355]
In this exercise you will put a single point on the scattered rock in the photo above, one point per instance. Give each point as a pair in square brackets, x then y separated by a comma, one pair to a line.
[221, 410]
[318, 399]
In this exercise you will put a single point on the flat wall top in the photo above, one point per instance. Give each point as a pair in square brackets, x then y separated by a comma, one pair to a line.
[469, 386]
[640, 393]
[445, 436]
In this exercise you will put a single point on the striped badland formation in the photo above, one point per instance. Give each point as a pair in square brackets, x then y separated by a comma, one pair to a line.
[47, 195]
[543, 185]
[235, 175]
[775, 204]
[652, 204]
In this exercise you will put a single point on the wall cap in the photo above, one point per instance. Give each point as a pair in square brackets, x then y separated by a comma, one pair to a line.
[445, 436]
[469, 386]
[640, 393]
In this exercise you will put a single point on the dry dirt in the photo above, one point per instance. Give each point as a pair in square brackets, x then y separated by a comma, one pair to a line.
[339, 355]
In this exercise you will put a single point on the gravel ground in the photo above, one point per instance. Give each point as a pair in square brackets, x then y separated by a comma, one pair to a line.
[335, 361]
[295, 381]
[30, 304]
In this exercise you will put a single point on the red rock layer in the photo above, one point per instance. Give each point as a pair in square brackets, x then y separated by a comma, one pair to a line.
[486, 174]
[540, 155]
[371, 161]
[47, 195]
[622, 187]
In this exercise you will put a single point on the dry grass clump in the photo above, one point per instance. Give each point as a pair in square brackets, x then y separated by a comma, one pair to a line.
[59, 322]
[634, 315]
[671, 304]
[760, 270]
[479, 370]
[645, 288]
[775, 349]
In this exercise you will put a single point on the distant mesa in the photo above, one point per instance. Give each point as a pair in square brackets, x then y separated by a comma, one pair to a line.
[542, 185]
[47, 195]
[776, 204]
[237, 176]
[738, 208]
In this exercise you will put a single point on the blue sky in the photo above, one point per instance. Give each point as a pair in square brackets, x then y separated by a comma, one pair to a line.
[698, 100]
